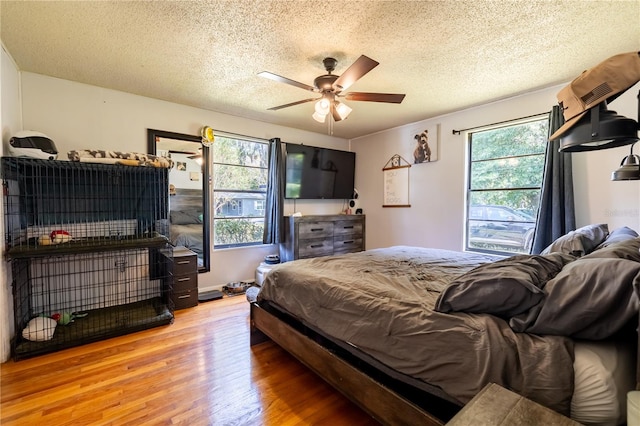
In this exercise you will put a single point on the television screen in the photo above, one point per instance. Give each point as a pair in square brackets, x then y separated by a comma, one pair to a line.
[319, 173]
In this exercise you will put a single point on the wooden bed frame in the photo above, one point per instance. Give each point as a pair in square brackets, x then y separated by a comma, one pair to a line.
[376, 397]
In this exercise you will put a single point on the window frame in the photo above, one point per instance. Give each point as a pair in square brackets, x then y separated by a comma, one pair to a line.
[238, 205]
[519, 218]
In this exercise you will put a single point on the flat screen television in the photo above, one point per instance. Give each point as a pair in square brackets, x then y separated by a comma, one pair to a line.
[319, 173]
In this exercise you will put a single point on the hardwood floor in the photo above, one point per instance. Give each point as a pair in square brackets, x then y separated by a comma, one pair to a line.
[198, 371]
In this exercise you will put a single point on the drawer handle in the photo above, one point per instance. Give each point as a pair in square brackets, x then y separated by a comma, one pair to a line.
[317, 229]
[316, 245]
[348, 242]
[184, 279]
[186, 296]
[183, 262]
[348, 227]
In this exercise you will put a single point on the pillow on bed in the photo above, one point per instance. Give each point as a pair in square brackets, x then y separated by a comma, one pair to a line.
[178, 217]
[623, 249]
[581, 241]
[589, 299]
[504, 288]
[618, 235]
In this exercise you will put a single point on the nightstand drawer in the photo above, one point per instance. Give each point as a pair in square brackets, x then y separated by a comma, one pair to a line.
[314, 247]
[185, 282]
[183, 264]
[315, 230]
[185, 299]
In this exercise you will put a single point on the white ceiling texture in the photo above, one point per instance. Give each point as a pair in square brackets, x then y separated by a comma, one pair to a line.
[444, 55]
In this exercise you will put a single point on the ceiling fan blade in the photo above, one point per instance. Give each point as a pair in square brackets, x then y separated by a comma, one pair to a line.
[292, 104]
[392, 98]
[360, 67]
[286, 80]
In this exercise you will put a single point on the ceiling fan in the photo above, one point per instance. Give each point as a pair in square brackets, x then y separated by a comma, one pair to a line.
[331, 87]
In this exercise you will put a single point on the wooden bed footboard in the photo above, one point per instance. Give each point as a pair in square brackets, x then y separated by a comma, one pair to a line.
[382, 403]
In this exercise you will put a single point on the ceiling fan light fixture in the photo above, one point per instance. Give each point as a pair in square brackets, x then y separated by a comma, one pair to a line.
[322, 106]
[343, 110]
[319, 117]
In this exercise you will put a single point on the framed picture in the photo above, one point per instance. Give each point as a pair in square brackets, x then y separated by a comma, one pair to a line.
[396, 182]
[424, 145]
[182, 166]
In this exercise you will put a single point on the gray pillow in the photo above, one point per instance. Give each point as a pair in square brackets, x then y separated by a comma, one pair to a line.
[617, 235]
[504, 288]
[589, 299]
[624, 249]
[579, 242]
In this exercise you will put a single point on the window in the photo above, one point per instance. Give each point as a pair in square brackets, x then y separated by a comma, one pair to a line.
[239, 188]
[506, 166]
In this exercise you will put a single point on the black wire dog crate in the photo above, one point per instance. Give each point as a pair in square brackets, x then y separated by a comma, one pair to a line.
[88, 250]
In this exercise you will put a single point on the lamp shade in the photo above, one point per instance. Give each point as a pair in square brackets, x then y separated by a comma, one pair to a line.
[600, 129]
[343, 110]
[322, 106]
[629, 168]
[319, 117]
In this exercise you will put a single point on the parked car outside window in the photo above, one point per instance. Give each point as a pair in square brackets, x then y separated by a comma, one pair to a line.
[500, 228]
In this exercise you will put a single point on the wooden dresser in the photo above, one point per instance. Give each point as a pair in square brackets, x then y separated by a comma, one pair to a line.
[183, 272]
[322, 235]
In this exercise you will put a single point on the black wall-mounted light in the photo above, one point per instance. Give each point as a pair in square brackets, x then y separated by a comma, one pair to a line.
[600, 129]
[589, 125]
[629, 168]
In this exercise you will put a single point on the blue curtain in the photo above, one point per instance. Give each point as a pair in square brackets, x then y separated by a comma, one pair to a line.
[274, 206]
[557, 214]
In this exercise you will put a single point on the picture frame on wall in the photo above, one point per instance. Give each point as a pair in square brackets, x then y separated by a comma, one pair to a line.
[424, 146]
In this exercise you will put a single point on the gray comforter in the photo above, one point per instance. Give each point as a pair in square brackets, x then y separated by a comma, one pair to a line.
[382, 301]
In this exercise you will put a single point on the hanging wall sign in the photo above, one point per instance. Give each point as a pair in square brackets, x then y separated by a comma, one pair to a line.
[396, 182]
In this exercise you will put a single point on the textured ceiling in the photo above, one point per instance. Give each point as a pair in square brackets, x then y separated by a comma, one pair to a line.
[445, 55]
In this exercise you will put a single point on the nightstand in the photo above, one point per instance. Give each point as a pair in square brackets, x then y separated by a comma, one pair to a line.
[495, 405]
[183, 272]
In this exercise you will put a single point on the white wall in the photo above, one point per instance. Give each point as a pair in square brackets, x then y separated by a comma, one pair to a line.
[79, 116]
[437, 189]
[10, 122]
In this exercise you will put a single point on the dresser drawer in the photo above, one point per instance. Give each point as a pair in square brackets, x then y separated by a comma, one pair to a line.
[183, 264]
[347, 244]
[347, 227]
[315, 247]
[315, 230]
[185, 282]
[185, 299]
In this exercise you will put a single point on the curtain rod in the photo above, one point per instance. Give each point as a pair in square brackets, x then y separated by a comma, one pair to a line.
[457, 132]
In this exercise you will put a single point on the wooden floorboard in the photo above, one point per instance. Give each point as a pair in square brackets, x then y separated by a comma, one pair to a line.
[200, 370]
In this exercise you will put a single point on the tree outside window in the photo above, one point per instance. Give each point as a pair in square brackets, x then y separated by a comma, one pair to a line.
[506, 166]
[239, 186]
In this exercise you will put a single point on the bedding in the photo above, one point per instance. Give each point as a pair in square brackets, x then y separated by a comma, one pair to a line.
[581, 241]
[382, 302]
[618, 235]
[189, 236]
[602, 380]
[505, 288]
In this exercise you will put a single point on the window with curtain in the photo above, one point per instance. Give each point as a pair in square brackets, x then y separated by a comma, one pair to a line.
[240, 170]
[505, 172]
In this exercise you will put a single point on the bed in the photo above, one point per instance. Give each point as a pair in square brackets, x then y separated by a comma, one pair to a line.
[412, 334]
